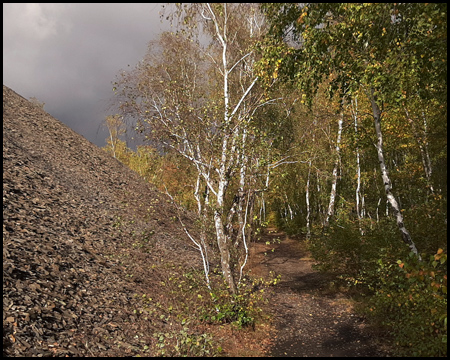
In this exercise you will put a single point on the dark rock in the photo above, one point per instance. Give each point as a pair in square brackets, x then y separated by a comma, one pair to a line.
[65, 258]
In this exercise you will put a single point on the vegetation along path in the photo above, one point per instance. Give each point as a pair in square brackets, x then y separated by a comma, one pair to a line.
[311, 318]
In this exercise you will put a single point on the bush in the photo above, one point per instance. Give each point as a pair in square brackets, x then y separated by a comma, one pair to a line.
[410, 300]
[342, 249]
[406, 297]
[190, 304]
[241, 309]
[184, 343]
[428, 223]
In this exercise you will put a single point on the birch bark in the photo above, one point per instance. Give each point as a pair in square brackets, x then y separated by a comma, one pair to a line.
[406, 237]
[330, 211]
[308, 211]
[358, 168]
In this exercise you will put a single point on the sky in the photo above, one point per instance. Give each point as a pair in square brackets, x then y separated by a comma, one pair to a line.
[68, 55]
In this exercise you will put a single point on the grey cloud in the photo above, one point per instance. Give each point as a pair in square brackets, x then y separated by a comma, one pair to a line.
[67, 55]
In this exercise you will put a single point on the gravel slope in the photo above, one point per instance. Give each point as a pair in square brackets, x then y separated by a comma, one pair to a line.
[82, 234]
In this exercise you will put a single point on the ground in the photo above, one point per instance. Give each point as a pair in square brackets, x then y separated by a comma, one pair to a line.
[89, 249]
[311, 319]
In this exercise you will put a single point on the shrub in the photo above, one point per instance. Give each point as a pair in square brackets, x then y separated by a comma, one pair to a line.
[241, 309]
[410, 300]
[406, 297]
[428, 223]
[342, 249]
[184, 343]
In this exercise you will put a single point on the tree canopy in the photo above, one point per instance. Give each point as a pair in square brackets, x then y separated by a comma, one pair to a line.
[327, 120]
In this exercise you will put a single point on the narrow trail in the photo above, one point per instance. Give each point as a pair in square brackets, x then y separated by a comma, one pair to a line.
[311, 320]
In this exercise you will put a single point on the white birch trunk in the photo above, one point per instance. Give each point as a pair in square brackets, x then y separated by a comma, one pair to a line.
[200, 246]
[222, 240]
[429, 169]
[363, 206]
[202, 208]
[358, 168]
[385, 176]
[241, 194]
[319, 205]
[113, 146]
[330, 211]
[377, 212]
[244, 240]
[308, 210]
[223, 181]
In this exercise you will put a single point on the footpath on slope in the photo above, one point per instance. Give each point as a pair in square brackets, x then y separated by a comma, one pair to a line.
[311, 319]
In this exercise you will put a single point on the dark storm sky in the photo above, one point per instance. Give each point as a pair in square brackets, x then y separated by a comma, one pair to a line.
[67, 55]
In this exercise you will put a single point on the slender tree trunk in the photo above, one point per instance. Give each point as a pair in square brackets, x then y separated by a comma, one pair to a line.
[363, 205]
[202, 215]
[330, 211]
[308, 210]
[291, 214]
[200, 246]
[250, 218]
[218, 222]
[385, 176]
[222, 238]
[429, 169]
[241, 194]
[112, 144]
[223, 182]
[244, 240]
[423, 147]
[319, 203]
[377, 212]
[358, 168]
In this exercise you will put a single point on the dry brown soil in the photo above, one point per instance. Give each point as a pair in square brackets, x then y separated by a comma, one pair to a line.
[311, 319]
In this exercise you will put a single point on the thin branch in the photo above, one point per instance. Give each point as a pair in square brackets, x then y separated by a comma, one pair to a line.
[198, 245]
[243, 97]
[243, 239]
[237, 62]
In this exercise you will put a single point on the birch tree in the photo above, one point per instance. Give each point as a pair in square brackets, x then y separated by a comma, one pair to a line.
[370, 47]
[330, 210]
[200, 99]
[385, 176]
[116, 128]
[358, 197]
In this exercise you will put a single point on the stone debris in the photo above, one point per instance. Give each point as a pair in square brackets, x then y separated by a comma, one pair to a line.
[72, 215]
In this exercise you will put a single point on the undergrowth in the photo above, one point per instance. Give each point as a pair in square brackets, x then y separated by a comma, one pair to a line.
[410, 299]
[404, 297]
[190, 310]
[241, 309]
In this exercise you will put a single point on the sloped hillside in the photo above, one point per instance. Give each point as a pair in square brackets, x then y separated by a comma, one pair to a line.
[81, 233]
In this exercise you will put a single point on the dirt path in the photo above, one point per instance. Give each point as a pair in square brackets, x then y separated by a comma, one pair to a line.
[311, 320]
